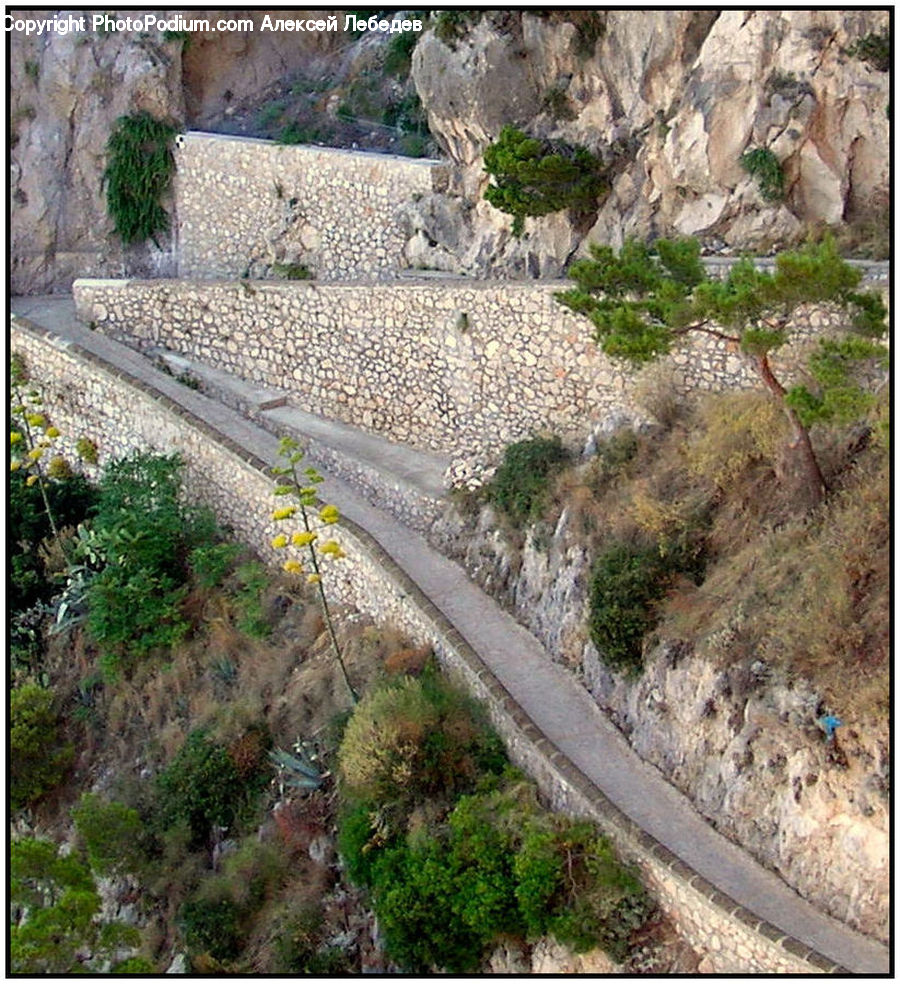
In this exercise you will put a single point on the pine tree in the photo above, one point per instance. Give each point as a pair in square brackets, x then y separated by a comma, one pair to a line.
[643, 300]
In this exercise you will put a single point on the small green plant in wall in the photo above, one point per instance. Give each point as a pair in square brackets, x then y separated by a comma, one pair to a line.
[138, 173]
[762, 164]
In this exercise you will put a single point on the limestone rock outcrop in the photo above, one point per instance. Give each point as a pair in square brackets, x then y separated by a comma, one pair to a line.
[673, 99]
[66, 92]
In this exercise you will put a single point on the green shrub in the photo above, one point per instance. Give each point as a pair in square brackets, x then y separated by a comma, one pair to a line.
[357, 832]
[453, 25]
[201, 786]
[38, 758]
[142, 536]
[605, 902]
[210, 563]
[625, 583]
[134, 965]
[252, 581]
[138, 174]
[62, 906]
[398, 56]
[211, 926]
[271, 113]
[762, 164]
[293, 133]
[132, 613]
[521, 484]
[292, 271]
[415, 738]
[498, 866]
[414, 891]
[874, 49]
[112, 834]
[140, 521]
[536, 177]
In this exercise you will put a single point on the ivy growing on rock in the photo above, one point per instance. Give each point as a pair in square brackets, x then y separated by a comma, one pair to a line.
[138, 174]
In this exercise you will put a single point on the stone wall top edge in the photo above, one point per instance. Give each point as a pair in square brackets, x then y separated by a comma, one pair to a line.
[301, 286]
[300, 149]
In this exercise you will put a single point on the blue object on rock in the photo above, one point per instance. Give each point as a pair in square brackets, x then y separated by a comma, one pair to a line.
[828, 723]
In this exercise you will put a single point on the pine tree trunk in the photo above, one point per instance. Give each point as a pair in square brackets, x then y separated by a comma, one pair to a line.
[813, 486]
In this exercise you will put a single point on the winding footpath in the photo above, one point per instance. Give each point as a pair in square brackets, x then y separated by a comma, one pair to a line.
[554, 701]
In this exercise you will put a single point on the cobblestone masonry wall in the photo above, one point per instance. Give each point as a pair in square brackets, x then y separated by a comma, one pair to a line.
[242, 204]
[454, 366]
[86, 397]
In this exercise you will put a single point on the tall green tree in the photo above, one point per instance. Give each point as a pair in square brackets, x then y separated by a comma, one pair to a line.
[644, 300]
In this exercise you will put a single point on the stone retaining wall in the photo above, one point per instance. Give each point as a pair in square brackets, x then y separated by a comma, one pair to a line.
[458, 366]
[86, 397]
[242, 205]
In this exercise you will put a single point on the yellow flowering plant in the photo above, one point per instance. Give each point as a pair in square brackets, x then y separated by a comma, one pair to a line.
[31, 437]
[304, 489]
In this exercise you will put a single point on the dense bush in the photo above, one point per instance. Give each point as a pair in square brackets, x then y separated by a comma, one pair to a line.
[536, 177]
[450, 876]
[141, 537]
[55, 913]
[625, 582]
[38, 758]
[202, 786]
[112, 834]
[415, 738]
[498, 866]
[522, 481]
[210, 562]
[211, 926]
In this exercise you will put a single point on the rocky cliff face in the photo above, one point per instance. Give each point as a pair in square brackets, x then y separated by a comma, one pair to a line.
[671, 99]
[66, 91]
[674, 98]
[735, 736]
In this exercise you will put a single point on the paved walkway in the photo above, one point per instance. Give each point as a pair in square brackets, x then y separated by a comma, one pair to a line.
[557, 704]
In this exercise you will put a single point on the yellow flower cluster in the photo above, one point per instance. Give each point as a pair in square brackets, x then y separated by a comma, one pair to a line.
[329, 514]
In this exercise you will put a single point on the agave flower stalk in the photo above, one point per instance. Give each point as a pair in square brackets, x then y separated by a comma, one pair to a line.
[305, 492]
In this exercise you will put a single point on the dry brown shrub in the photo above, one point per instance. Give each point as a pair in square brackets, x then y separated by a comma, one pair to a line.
[248, 752]
[737, 431]
[408, 662]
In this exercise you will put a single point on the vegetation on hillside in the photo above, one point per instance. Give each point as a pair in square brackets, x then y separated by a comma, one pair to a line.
[204, 691]
[453, 846]
[642, 301]
[695, 538]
